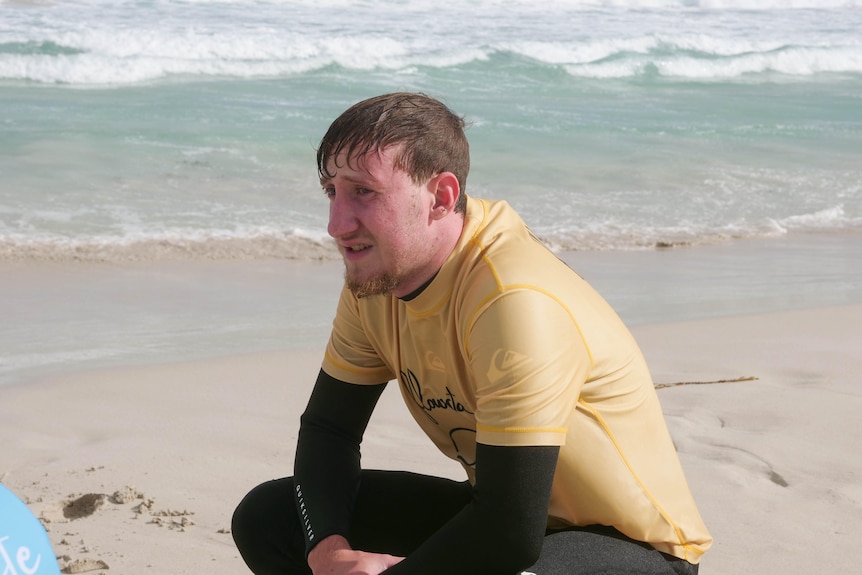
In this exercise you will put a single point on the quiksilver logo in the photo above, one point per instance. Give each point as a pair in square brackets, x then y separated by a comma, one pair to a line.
[433, 361]
[505, 361]
[306, 521]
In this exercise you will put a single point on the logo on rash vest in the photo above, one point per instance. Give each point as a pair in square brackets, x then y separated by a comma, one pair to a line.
[503, 362]
[410, 382]
[433, 361]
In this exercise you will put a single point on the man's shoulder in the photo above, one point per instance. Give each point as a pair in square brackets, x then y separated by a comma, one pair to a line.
[506, 244]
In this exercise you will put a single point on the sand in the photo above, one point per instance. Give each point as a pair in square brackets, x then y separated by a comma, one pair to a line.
[138, 469]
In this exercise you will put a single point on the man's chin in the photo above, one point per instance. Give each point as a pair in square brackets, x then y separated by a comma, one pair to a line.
[378, 285]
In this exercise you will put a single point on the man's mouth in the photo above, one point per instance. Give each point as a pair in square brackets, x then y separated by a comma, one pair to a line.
[355, 248]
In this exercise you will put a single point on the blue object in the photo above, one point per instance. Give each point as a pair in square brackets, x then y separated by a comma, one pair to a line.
[24, 545]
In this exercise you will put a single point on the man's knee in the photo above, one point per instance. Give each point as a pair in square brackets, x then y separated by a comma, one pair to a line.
[243, 522]
[266, 530]
[251, 513]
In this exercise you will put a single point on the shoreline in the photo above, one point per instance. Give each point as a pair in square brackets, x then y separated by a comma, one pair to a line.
[766, 458]
[63, 317]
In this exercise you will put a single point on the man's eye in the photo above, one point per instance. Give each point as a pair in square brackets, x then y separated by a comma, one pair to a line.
[363, 191]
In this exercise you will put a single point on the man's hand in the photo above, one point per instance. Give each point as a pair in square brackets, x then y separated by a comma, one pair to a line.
[334, 556]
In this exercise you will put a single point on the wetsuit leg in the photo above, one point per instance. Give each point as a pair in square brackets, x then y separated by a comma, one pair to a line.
[603, 551]
[394, 512]
[267, 531]
[397, 511]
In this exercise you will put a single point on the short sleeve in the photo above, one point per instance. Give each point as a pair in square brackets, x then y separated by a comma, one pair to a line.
[350, 356]
[530, 363]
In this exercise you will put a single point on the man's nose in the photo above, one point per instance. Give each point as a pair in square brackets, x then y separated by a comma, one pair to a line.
[342, 219]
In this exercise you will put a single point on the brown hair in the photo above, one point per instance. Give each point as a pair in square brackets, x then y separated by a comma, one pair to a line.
[431, 137]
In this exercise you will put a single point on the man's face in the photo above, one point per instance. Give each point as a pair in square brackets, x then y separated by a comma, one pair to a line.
[380, 220]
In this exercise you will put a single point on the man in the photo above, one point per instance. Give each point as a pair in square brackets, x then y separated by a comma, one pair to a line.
[505, 357]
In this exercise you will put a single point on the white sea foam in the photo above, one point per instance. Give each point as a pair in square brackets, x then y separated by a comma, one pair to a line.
[833, 218]
[386, 54]
[584, 4]
[94, 43]
[264, 243]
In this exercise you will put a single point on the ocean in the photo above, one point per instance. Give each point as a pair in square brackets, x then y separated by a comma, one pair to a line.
[162, 132]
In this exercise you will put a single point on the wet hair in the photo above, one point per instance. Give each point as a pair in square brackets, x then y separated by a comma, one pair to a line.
[429, 135]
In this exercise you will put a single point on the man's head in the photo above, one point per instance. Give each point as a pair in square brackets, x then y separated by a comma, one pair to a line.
[392, 168]
[429, 136]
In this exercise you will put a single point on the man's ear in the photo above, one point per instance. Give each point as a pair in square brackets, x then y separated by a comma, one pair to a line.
[446, 191]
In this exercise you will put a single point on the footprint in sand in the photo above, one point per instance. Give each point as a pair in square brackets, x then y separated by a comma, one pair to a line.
[84, 506]
[84, 565]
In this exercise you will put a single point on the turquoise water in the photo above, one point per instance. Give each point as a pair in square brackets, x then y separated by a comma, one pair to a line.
[150, 130]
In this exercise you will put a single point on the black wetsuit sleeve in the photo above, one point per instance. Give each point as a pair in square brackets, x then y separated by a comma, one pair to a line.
[502, 529]
[326, 468]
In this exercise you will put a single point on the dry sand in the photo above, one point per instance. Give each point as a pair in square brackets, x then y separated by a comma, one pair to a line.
[137, 470]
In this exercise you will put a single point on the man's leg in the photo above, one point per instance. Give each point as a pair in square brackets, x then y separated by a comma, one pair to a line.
[603, 551]
[267, 531]
[394, 513]
[397, 511]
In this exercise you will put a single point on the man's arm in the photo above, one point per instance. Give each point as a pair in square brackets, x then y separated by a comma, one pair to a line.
[503, 528]
[326, 469]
